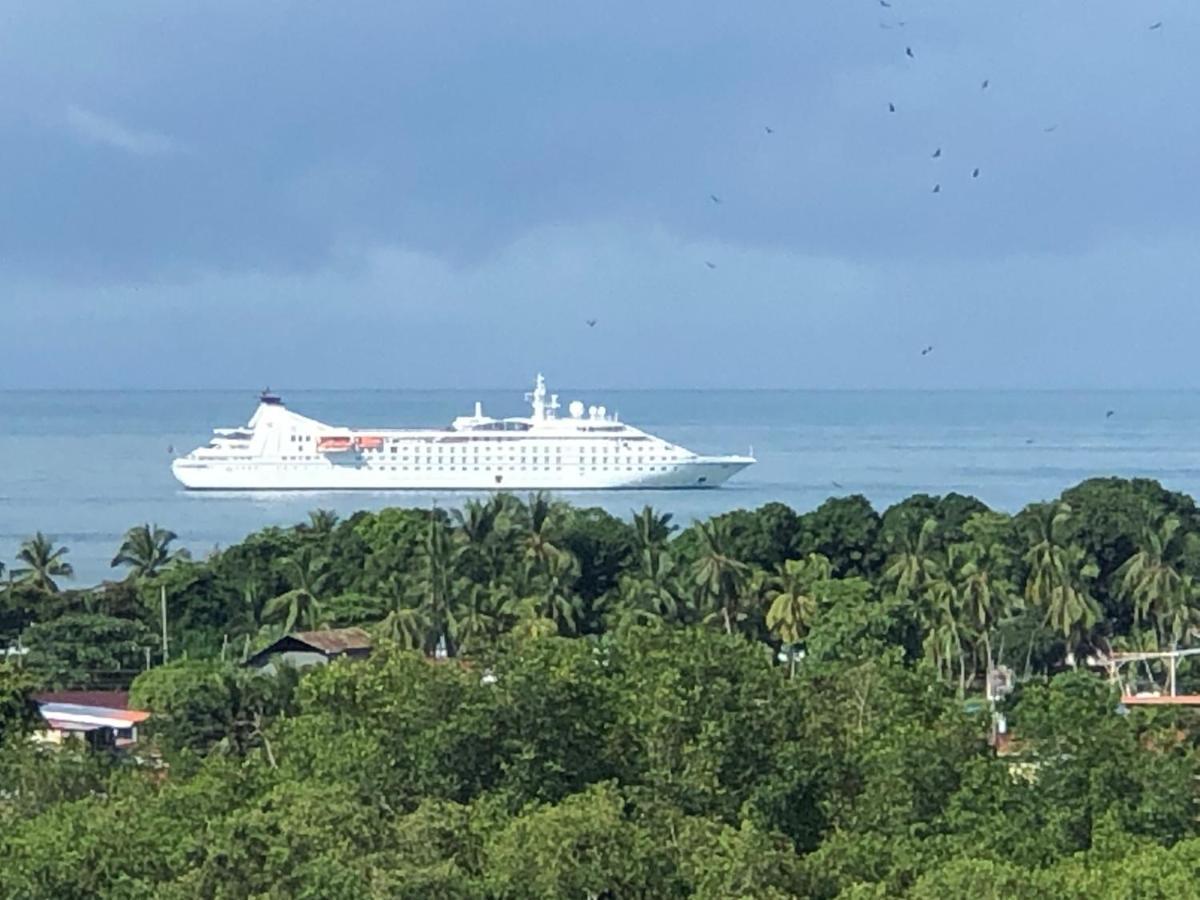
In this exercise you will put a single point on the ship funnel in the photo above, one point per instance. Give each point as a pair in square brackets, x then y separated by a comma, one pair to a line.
[478, 410]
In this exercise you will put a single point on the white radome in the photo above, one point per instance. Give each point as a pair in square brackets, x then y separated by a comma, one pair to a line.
[281, 450]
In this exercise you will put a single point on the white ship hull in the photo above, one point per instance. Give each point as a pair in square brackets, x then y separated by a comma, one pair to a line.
[279, 450]
[703, 472]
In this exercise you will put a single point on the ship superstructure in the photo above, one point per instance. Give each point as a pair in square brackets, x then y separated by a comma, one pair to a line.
[588, 448]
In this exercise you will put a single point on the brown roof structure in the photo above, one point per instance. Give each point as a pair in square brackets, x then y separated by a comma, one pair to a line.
[334, 640]
[331, 643]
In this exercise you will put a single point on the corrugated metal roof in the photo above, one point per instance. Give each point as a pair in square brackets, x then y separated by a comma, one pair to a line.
[84, 718]
[334, 640]
[102, 699]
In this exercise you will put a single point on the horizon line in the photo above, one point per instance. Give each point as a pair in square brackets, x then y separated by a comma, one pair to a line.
[626, 390]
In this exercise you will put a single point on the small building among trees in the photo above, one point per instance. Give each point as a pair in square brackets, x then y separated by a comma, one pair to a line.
[101, 718]
[301, 649]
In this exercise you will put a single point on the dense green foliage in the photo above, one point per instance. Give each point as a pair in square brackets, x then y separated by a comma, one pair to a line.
[766, 704]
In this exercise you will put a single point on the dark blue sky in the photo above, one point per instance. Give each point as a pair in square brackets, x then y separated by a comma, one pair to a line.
[385, 194]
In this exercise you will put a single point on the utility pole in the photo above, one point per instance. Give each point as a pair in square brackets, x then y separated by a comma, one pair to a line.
[166, 656]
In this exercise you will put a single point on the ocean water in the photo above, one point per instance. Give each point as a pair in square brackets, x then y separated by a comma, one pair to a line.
[84, 466]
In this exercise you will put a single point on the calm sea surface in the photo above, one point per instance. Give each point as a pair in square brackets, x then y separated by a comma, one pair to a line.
[85, 466]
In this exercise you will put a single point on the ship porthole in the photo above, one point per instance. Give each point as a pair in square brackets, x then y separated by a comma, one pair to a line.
[499, 478]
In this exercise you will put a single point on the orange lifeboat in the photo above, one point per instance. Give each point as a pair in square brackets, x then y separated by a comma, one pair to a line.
[369, 443]
[333, 444]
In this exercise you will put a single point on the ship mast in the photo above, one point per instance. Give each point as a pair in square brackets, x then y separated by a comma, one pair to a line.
[541, 409]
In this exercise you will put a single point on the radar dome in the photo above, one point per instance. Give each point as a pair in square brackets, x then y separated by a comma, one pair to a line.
[601, 411]
[576, 409]
[592, 411]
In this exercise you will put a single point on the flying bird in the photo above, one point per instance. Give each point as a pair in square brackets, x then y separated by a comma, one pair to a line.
[1156, 26]
[908, 52]
[1110, 414]
[1029, 440]
[975, 173]
[769, 129]
[937, 189]
[1050, 128]
[591, 323]
[885, 4]
[927, 350]
[836, 485]
[714, 198]
[711, 265]
[891, 107]
[170, 448]
[937, 153]
[984, 86]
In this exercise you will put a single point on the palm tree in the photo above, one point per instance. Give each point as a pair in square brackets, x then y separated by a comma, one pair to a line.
[147, 551]
[43, 562]
[473, 618]
[986, 595]
[477, 523]
[308, 573]
[296, 607]
[556, 600]
[539, 519]
[1177, 616]
[438, 555]
[1149, 579]
[794, 601]
[947, 629]
[719, 577]
[407, 626]
[1046, 527]
[653, 590]
[913, 564]
[653, 528]
[477, 520]
[322, 521]
[1058, 575]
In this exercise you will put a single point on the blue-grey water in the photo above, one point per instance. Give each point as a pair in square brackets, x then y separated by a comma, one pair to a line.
[84, 466]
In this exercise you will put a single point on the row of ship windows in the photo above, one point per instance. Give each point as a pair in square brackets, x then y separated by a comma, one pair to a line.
[499, 460]
[395, 442]
[489, 469]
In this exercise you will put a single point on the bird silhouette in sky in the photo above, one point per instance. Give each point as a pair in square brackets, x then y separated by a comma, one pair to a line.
[937, 189]
[591, 323]
[769, 129]
[836, 485]
[891, 107]
[1029, 440]
[1156, 26]
[975, 173]
[1050, 128]
[1110, 414]
[927, 350]
[711, 265]
[714, 198]
[984, 86]
[937, 153]
[885, 4]
[908, 52]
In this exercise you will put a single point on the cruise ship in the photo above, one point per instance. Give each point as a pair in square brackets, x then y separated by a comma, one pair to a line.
[587, 449]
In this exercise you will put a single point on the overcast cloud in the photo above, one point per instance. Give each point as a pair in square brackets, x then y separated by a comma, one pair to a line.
[388, 195]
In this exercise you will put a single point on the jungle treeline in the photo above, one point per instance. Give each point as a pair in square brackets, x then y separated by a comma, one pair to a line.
[564, 703]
